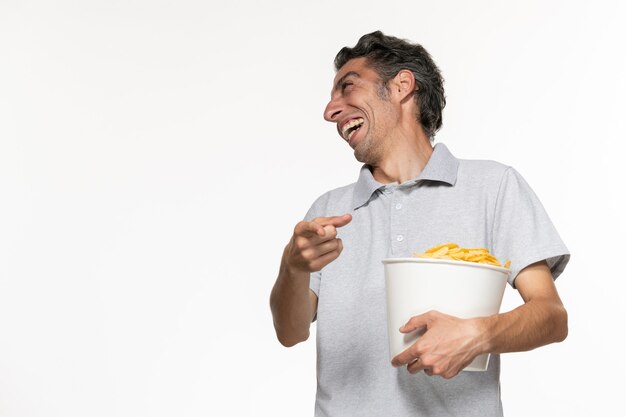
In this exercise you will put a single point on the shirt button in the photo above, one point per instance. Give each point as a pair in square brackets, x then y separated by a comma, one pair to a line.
[400, 238]
[398, 206]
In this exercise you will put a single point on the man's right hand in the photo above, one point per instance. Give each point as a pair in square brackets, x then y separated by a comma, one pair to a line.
[314, 244]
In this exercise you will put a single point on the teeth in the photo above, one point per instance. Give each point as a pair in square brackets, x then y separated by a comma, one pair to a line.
[349, 125]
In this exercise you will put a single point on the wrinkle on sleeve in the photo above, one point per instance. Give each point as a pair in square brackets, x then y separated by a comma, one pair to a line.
[522, 230]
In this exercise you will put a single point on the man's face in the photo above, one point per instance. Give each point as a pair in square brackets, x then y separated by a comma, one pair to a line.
[364, 116]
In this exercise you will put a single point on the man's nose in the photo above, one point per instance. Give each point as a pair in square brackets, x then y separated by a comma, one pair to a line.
[333, 109]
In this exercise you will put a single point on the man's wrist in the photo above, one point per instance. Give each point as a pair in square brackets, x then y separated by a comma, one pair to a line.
[290, 271]
[484, 338]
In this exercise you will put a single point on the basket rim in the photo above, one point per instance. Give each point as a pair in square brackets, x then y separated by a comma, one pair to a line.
[446, 261]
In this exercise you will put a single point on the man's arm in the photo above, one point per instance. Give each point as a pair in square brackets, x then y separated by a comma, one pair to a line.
[313, 245]
[293, 306]
[449, 343]
[541, 320]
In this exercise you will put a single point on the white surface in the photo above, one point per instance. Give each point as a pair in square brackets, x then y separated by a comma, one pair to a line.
[155, 156]
[461, 289]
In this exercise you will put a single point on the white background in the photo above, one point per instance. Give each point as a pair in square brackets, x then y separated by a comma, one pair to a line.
[155, 156]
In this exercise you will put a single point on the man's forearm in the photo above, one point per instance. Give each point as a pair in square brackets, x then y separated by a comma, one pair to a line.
[536, 323]
[291, 306]
[541, 320]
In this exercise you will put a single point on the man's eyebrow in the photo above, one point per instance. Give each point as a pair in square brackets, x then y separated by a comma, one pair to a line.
[342, 79]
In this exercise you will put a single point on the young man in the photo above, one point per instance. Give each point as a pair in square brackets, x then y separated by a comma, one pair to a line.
[386, 101]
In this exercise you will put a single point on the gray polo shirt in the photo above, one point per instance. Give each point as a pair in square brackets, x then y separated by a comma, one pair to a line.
[472, 203]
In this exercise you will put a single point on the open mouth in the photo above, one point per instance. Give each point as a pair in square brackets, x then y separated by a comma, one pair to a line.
[350, 128]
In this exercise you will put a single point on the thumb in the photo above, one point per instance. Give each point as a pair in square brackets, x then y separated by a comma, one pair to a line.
[415, 323]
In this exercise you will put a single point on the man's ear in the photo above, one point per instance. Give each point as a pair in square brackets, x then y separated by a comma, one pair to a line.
[403, 85]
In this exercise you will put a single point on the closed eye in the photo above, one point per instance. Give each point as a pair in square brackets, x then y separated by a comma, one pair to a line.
[345, 82]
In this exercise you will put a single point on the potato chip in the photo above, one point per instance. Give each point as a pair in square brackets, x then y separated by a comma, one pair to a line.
[445, 246]
[454, 252]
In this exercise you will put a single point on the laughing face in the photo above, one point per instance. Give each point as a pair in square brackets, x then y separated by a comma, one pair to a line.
[360, 107]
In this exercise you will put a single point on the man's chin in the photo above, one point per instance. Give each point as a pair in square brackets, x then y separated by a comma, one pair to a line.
[359, 155]
[365, 156]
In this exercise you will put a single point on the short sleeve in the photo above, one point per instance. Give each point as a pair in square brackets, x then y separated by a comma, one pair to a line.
[522, 231]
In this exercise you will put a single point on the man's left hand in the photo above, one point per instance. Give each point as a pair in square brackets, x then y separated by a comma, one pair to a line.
[447, 345]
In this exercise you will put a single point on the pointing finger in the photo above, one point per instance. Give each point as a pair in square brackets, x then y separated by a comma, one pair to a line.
[337, 221]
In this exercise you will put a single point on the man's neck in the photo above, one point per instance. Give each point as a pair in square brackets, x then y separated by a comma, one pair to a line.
[405, 159]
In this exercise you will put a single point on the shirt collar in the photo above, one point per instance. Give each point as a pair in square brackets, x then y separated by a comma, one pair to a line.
[442, 166]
